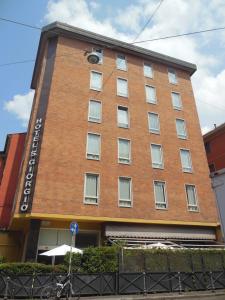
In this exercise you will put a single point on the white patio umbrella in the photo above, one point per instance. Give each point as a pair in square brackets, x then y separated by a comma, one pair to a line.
[159, 245]
[61, 250]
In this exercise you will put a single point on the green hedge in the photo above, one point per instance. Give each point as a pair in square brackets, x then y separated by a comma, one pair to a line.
[30, 268]
[177, 260]
[95, 259]
[107, 259]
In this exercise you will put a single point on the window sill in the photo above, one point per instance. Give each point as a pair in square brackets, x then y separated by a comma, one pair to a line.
[154, 132]
[187, 172]
[124, 127]
[92, 121]
[150, 102]
[88, 203]
[120, 69]
[193, 211]
[90, 158]
[124, 96]
[161, 208]
[124, 163]
[95, 89]
[158, 168]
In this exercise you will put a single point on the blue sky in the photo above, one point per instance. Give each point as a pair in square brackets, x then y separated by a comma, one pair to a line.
[121, 20]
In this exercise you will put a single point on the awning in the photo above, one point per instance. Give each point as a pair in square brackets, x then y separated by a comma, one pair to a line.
[159, 232]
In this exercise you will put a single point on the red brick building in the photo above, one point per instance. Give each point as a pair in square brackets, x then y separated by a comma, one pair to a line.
[115, 146]
[215, 151]
[215, 148]
[10, 163]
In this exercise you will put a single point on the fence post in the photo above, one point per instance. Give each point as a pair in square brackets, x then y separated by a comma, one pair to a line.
[144, 283]
[117, 274]
[211, 281]
[6, 288]
[169, 272]
[203, 270]
[32, 285]
[180, 284]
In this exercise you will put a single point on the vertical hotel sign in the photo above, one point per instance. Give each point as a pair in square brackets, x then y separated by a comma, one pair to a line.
[32, 165]
[33, 158]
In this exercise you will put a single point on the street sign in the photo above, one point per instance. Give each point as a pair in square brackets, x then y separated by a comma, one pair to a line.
[74, 228]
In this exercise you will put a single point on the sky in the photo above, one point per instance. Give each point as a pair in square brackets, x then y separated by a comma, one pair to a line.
[123, 20]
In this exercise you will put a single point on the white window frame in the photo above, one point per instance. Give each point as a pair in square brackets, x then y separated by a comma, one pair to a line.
[147, 100]
[165, 193]
[150, 65]
[98, 189]
[92, 120]
[161, 152]
[186, 171]
[121, 69]
[168, 70]
[185, 127]
[149, 129]
[123, 162]
[117, 92]
[131, 193]
[89, 157]
[95, 49]
[92, 88]
[128, 117]
[176, 107]
[196, 199]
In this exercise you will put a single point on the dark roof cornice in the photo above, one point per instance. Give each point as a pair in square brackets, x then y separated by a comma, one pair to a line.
[219, 129]
[62, 29]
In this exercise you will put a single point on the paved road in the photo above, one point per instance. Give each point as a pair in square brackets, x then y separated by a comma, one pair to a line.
[218, 295]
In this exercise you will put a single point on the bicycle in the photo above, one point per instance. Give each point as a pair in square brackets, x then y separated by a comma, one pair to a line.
[59, 289]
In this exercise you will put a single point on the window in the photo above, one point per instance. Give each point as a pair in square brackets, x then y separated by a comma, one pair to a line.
[186, 160]
[157, 157]
[94, 113]
[150, 94]
[212, 168]
[160, 194]
[207, 147]
[191, 198]
[100, 54]
[181, 129]
[176, 100]
[125, 192]
[124, 151]
[122, 117]
[93, 146]
[172, 76]
[121, 63]
[148, 72]
[96, 81]
[153, 123]
[122, 87]
[91, 189]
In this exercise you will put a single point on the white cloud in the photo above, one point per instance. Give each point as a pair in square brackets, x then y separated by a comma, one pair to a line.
[173, 17]
[20, 106]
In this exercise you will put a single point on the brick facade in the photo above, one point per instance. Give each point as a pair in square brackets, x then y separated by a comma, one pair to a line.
[59, 187]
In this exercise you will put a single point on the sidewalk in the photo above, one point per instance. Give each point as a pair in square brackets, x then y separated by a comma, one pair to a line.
[202, 295]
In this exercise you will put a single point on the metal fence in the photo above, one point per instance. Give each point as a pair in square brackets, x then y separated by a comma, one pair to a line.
[30, 286]
[138, 273]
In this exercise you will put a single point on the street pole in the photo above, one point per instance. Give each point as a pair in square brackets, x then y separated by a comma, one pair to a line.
[70, 257]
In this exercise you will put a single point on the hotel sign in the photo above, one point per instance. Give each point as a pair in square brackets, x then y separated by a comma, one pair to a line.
[26, 200]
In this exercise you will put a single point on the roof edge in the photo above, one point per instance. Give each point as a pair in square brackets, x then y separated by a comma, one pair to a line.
[215, 130]
[63, 29]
